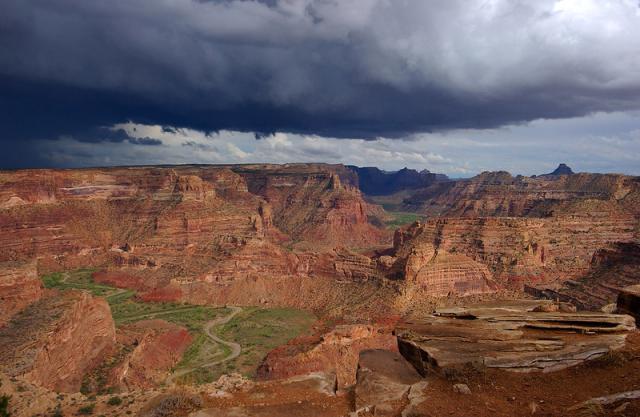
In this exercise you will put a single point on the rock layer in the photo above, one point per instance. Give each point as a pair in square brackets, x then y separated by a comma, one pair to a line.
[158, 347]
[519, 250]
[335, 352]
[384, 380]
[612, 269]
[513, 336]
[55, 341]
[19, 287]
[499, 194]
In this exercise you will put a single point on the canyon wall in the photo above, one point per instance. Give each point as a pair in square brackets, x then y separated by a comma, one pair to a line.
[526, 229]
[521, 249]
[336, 352]
[55, 341]
[499, 194]
[180, 217]
[237, 233]
[19, 287]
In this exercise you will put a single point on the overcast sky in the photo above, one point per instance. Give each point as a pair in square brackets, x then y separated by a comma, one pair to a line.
[453, 86]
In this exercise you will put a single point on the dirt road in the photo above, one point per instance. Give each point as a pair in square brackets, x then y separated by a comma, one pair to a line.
[208, 329]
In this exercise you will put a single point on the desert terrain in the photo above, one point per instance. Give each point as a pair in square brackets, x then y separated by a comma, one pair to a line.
[317, 290]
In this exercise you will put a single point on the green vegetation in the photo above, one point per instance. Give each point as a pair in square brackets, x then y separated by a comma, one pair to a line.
[87, 409]
[115, 400]
[4, 406]
[401, 218]
[125, 309]
[79, 279]
[57, 412]
[258, 331]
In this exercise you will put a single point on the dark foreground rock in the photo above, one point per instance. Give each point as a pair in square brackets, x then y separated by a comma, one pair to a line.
[629, 301]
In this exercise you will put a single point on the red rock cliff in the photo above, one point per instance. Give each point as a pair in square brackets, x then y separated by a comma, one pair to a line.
[55, 341]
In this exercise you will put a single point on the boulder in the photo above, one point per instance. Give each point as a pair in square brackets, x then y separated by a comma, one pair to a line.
[461, 389]
[383, 382]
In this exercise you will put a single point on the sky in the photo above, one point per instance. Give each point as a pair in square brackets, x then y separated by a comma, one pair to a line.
[452, 86]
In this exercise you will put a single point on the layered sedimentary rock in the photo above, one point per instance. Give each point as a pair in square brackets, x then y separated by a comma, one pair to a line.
[499, 194]
[176, 217]
[612, 269]
[336, 351]
[157, 347]
[19, 287]
[514, 336]
[522, 249]
[525, 229]
[55, 341]
[383, 382]
[316, 203]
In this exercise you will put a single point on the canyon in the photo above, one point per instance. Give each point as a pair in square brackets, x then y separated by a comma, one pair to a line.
[159, 252]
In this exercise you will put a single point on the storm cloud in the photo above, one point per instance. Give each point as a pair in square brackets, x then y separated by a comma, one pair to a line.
[338, 68]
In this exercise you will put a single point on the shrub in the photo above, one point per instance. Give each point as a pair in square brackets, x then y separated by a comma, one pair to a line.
[86, 410]
[115, 401]
[4, 406]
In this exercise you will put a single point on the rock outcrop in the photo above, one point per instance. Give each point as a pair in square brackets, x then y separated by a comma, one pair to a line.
[499, 194]
[157, 347]
[612, 269]
[55, 341]
[513, 336]
[629, 302]
[19, 287]
[374, 181]
[334, 352]
[318, 204]
[383, 382]
[562, 169]
[521, 250]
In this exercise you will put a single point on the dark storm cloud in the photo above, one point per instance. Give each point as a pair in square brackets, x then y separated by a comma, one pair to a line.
[343, 68]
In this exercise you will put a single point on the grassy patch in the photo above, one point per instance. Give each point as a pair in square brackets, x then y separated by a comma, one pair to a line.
[87, 409]
[115, 400]
[257, 330]
[4, 406]
[78, 279]
[400, 219]
[261, 330]
[125, 309]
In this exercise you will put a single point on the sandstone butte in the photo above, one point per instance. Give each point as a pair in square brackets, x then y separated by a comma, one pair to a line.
[304, 236]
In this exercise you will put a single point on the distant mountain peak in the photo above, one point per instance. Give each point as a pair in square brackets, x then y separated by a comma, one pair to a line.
[563, 169]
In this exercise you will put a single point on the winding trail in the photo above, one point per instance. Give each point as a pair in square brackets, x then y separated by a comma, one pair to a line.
[208, 329]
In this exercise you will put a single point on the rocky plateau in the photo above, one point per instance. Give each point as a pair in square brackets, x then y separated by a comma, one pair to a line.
[499, 276]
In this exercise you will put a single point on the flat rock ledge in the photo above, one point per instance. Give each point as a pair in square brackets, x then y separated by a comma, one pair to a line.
[510, 336]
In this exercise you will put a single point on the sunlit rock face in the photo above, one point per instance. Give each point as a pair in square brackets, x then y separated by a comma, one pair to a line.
[57, 340]
[517, 250]
[179, 210]
[519, 336]
[499, 194]
[19, 287]
[336, 351]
